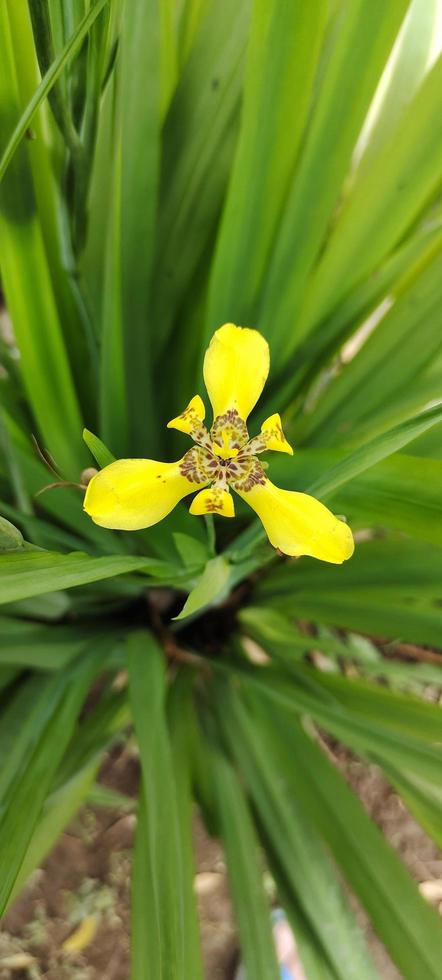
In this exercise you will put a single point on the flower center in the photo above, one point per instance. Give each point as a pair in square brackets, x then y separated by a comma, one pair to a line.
[225, 451]
[228, 434]
[225, 457]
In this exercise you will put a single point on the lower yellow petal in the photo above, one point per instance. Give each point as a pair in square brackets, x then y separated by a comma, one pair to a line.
[131, 494]
[236, 366]
[213, 501]
[298, 524]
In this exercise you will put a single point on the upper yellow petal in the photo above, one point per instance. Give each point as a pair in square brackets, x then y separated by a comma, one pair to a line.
[274, 436]
[236, 366]
[298, 524]
[191, 418]
[134, 493]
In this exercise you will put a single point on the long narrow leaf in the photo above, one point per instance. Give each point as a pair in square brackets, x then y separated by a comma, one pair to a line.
[27, 797]
[243, 864]
[404, 921]
[49, 81]
[310, 876]
[159, 869]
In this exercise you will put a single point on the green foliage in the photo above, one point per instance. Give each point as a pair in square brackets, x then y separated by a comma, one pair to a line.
[164, 168]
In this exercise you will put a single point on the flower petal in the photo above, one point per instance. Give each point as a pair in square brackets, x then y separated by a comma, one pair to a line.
[298, 524]
[191, 418]
[236, 366]
[213, 501]
[274, 436]
[271, 437]
[134, 493]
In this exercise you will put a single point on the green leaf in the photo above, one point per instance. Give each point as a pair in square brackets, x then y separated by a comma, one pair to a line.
[283, 640]
[146, 78]
[31, 785]
[402, 492]
[190, 16]
[245, 873]
[398, 712]
[159, 890]
[100, 795]
[345, 88]
[28, 644]
[192, 551]
[384, 202]
[388, 368]
[267, 148]
[29, 288]
[293, 841]
[361, 304]
[113, 382]
[312, 957]
[29, 573]
[146, 942]
[11, 539]
[73, 780]
[58, 810]
[181, 719]
[281, 637]
[377, 449]
[393, 584]
[407, 925]
[375, 741]
[198, 146]
[49, 80]
[422, 797]
[100, 452]
[210, 589]
[22, 722]
[414, 44]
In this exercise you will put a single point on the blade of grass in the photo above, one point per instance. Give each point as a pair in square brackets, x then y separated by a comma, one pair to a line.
[374, 741]
[37, 572]
[35, 645]
[158, 882]
[410, 55]
[49, 80]
[277, 94]
[100, 452]
[198, 145]
[383, 203]
[245, 873]
[364, 35]
[147, 78]
[181, 719]
[401, 347]
[392, 583]
[29, 791]
[296, 845]
[28, 287]
[58, 810]
[404, 921]
[323, 342]
[423, 799]
[374, 451]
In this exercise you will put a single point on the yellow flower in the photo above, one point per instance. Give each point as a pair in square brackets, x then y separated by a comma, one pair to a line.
[135, 493]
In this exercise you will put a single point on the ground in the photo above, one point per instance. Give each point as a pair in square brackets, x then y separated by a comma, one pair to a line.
[87, 877]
